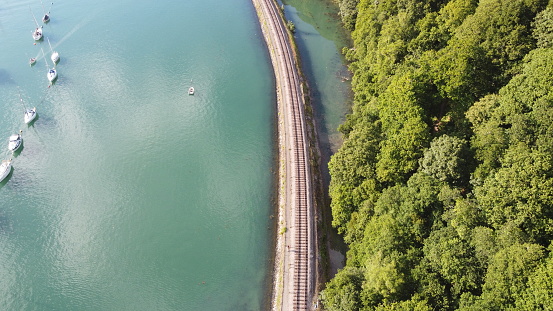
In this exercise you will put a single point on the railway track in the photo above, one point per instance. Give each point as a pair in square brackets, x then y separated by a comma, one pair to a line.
[299, 273]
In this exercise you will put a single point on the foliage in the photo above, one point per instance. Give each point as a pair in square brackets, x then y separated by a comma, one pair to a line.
[443, 188]
[348, 13]
[539, 292]
[342, 293]
[543, 28]
[290, 25]
[445, 160]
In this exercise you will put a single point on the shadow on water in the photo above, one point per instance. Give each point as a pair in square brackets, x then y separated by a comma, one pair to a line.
[5, 77]
[5, 181]
[5, 223]
[31, 124]
[16, 153]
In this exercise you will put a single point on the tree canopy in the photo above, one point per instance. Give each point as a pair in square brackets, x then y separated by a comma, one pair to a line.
[443, 188]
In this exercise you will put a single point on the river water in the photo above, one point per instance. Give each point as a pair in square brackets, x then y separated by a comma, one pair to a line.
[129, 194]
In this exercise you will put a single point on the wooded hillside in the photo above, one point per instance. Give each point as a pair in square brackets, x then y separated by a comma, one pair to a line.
[443, 188]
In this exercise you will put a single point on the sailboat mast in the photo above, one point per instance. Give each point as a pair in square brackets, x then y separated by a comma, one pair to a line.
[21, 99]
[34, 18]
[44, 56]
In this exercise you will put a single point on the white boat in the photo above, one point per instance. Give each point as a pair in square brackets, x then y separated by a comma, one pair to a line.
[191, 91]
[52, 74]
[46, 17]
[55, 57]
[15, 141]
[32, 61]
[5, 169]
[30, 115]
[37, 33]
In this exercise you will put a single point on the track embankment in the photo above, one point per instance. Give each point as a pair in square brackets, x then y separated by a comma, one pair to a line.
[295, 262]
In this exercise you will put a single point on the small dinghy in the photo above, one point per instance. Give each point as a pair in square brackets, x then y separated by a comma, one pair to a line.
[15, 141]
[5, 169]
[32, 61]
[191, 91]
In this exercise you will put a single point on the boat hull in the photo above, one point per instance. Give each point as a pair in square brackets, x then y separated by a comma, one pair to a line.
[55, 57]
[52, 75]
[5, 169]
[30, 115]
[15, 142]
[37, 34]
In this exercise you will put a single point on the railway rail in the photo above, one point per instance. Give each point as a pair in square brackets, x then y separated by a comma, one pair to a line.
[297, 288]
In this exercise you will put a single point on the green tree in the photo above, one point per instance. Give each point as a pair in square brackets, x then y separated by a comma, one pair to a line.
[543, 28]
[445, 160]
[539, 292]
[342, 293]
[353, 172]
[520, 192]
[506, 278]
[421, 235]
[348, 13]
[404, 130]
[455, 260]
[407, 305]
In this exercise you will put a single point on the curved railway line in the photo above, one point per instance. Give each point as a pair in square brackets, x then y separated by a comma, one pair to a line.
[295, 270]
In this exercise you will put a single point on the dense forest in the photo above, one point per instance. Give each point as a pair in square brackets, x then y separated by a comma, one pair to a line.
[443, 188]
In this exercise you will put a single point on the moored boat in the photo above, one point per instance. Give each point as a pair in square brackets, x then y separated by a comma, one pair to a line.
[30, 115]
[5, 169]
[55, 57]
[52, 75]
[37, 33]
[15, 141]
[191, 91]
[32, 61]
[46, 17]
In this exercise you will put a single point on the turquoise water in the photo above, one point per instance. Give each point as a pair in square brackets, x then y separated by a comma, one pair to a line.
[130, 194]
